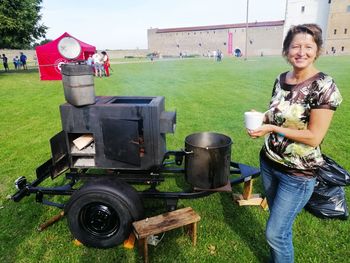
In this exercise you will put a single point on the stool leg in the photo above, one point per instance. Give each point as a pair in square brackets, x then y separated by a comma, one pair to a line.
[193, 233]
[247, 189]
[144, 248]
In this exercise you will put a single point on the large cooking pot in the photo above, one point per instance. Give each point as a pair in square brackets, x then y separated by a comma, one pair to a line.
[207, 159]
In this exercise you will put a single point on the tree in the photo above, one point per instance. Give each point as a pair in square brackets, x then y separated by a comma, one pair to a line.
[19, 25]
[42, 42]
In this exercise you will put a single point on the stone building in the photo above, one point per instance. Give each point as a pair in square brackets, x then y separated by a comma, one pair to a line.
[310, 11]
[264, 38]
[338, 30]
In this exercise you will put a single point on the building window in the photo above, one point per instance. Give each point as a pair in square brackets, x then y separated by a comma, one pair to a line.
[213, 32]
[329, 1]
[194, 33]
[303, 9]
[178, 45]
[345, 31]
[342, 48]
[224, 43]
[335, 31]
[332, 49]
[348, 8]
[200, 44]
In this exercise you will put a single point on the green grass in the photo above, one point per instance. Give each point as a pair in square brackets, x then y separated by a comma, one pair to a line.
[207, 96]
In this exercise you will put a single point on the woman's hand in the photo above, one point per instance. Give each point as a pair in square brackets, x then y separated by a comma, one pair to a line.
[320, 120]
[261, 131]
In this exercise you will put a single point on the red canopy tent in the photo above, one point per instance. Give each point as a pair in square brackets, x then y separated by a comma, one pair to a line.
[50, 59]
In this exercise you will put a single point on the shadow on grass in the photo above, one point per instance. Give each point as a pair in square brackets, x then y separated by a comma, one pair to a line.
[117, 254]
[20, 71]
[247, 226]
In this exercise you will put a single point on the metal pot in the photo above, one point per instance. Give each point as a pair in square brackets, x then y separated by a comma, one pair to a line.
[78, 84]
[207, 159]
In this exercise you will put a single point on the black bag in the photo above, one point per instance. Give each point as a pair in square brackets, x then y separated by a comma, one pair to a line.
[332, 173]
[328, 201]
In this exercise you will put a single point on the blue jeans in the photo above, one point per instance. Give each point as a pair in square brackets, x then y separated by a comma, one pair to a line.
[286, 196]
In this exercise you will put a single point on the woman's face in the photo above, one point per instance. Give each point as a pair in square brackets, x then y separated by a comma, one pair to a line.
[302, 51]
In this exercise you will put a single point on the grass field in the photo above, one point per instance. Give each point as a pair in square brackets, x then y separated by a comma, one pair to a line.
[207, 96]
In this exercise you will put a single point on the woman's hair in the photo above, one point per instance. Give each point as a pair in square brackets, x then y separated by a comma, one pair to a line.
[312, 29]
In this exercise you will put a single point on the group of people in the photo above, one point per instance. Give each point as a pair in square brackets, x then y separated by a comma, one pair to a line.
[18, 62]
[99, 63]
[216, 54]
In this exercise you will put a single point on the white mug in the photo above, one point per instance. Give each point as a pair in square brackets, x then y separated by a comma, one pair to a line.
[253, 119]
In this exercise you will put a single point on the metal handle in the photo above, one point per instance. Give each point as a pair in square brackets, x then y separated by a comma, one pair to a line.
[191, 152]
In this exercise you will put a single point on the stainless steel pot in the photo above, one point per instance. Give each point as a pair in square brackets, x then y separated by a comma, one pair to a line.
[207, 159]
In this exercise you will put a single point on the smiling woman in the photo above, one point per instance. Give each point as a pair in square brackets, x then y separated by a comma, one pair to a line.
[302, 106]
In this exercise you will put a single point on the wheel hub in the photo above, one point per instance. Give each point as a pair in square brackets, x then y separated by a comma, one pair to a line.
[99, 219]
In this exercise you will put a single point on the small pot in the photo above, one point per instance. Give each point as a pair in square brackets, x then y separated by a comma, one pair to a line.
[207, 159]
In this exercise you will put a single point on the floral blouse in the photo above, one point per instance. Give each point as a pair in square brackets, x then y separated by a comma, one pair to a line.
[290, 107]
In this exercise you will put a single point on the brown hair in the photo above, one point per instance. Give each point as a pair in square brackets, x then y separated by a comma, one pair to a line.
[312, 29]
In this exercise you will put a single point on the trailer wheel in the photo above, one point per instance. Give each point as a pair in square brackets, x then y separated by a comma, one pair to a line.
[100, 216]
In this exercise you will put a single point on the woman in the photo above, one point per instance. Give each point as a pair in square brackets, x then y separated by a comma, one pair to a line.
[106, 63]
[301, 109]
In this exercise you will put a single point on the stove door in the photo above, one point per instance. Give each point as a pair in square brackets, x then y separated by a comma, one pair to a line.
[60, 157]
[121, 140]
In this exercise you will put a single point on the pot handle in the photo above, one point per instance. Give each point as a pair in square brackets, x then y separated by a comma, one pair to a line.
[185, 152]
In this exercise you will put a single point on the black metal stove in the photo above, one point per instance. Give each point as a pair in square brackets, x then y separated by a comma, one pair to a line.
[127, 132]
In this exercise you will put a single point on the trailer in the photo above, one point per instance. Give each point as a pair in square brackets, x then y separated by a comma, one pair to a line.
[110, 144]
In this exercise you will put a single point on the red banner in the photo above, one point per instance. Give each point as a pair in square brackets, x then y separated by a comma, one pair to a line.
[229, 46]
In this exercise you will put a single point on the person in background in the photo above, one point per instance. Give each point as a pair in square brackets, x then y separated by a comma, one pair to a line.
[35, 59]
[90, 62]
[301, 109]
[23, 59]
[5, 62]
[106, 63]
[98, 64]
[16, 62]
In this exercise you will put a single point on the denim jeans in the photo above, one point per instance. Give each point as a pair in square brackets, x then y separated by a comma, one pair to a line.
[286, 196]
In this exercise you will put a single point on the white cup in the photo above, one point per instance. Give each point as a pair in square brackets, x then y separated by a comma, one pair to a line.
[253, 119]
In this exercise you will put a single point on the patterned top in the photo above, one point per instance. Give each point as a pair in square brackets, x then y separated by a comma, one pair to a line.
[290, 107]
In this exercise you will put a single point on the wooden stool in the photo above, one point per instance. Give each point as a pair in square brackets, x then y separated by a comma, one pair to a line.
[247, 198]
[165, 222]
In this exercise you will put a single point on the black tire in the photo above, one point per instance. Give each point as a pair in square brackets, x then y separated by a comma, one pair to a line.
[100, 216]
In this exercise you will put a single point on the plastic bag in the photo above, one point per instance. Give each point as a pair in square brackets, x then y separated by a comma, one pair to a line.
[332, 173]
[328, 201]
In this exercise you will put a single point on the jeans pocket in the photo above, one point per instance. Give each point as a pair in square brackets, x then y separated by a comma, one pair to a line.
[300, 178]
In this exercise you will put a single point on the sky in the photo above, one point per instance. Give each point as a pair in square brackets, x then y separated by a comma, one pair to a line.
[123, 24]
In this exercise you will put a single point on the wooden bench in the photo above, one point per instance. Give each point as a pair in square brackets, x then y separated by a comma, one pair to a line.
[165, 222]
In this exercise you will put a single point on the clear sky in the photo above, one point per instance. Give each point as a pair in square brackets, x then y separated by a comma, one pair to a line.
[123, 24]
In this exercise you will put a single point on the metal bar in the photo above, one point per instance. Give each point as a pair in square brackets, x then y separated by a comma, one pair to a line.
[246, 33]
[61, 190]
